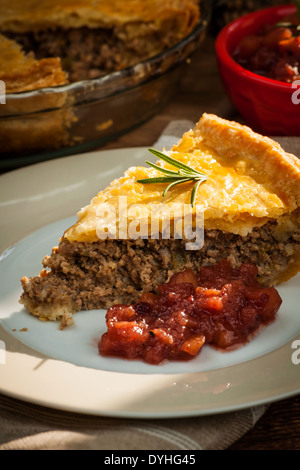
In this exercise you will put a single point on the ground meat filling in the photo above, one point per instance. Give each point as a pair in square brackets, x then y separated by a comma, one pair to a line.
[83, 276]
[90, 53]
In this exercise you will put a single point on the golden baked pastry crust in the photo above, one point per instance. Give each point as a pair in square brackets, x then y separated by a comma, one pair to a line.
[19, 16]
[266, 161]
[251, 180]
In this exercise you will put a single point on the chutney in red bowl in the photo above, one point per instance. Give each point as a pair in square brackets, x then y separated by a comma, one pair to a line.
[274, 52]
[268, 105]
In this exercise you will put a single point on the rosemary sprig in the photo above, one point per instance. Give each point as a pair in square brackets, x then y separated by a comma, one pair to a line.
[184, 174]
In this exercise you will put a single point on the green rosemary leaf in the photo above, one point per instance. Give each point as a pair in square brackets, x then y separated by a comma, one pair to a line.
[172, 161]
[194, 192]
[285, 24]
[163, 170]
[161, 179]
[175, 183]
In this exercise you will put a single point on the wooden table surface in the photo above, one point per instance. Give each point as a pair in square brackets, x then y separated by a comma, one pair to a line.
[201, 91]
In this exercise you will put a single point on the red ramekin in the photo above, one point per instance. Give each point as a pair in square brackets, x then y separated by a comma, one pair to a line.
[268, 106]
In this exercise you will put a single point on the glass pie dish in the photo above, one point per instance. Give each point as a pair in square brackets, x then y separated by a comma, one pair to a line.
[57, 121]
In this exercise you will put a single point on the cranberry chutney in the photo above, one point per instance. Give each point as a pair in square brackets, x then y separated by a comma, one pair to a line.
[220, 306]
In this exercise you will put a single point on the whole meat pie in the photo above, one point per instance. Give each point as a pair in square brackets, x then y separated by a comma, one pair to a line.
[249, 199]
[87, 38]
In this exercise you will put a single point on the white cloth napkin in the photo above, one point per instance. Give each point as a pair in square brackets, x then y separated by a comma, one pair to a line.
[24, 426]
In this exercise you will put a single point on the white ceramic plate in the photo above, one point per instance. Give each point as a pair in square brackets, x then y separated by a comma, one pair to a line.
[62, 369]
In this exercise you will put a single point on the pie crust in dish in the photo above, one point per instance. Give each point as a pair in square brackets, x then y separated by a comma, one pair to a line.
[19, 16]
[250, 203]
[22, 72]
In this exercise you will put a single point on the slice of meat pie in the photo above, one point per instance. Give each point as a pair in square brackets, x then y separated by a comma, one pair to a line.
[249, 199]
